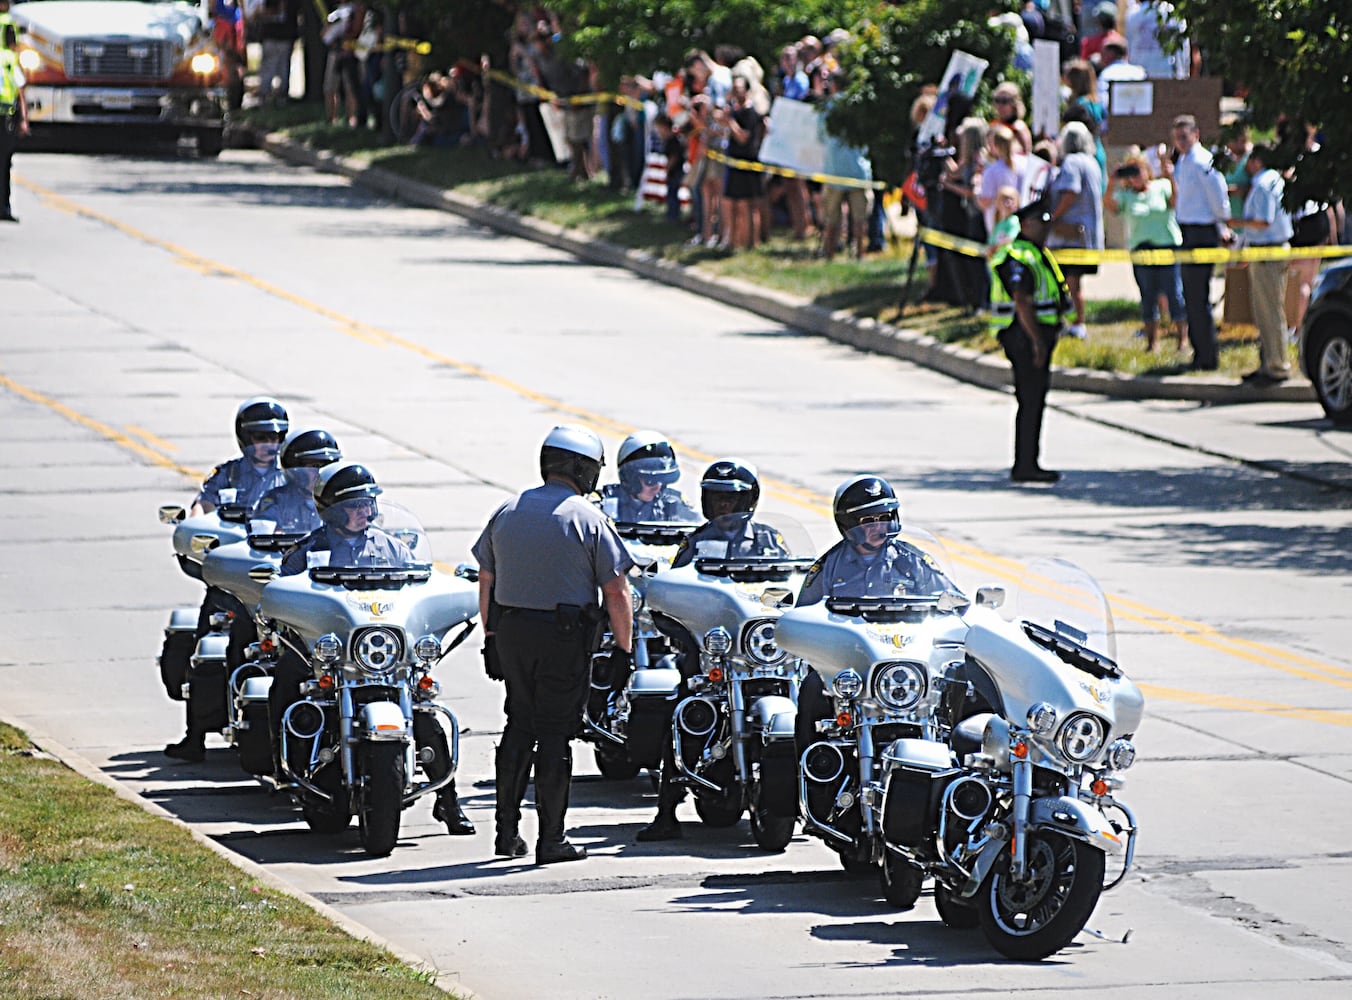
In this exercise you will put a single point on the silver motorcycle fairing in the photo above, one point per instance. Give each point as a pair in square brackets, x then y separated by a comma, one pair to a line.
[1078, 819]
[225, 533]
[1027, 675]
[833, 642]
[227, 568]
[700, 601]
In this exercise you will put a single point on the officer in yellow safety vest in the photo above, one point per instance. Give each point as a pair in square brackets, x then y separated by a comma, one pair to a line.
[1029, 302]
[13, 110]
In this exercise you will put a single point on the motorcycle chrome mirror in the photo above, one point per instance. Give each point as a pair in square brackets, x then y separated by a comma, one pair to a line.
[949, 601]
[776, 597]
[468, 571]
[202, 544]
[990, 597]
[262, 573]
[171, 513]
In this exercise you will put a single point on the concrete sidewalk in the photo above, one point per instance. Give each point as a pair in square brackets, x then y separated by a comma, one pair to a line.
[1113, 281]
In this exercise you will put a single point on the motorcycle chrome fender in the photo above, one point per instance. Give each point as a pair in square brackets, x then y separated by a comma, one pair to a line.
[383, 721]
[182, 620]
[1077, 819]
[255, 690]
[773, 717]
[654, 682]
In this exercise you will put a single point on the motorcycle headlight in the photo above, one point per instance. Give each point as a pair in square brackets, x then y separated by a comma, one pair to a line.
[899, 686]
[377, 650]
[1081, 737]
[717, 641]
[1121, 754]
[759, 643]
[327, 648]
[847, 684]
[427, 649]
[1041, 718]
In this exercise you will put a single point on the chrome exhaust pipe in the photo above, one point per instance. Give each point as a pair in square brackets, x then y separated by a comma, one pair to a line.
[304, 720]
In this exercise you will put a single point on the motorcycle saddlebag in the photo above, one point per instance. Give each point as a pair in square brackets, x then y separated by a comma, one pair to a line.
[179, 640]
[208, 686]
[652, 695]
[917, 772]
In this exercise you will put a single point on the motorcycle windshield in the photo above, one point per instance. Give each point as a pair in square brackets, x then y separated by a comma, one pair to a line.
[372, 534]
[1064, 601]
[768, 537]
[657, 499]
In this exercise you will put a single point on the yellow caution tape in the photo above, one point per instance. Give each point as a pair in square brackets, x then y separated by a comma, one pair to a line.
[545, 94]
[770, 168]
[1201, 255]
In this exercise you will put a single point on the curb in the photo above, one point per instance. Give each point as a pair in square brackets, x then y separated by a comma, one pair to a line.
[255, 871]
[986, 370]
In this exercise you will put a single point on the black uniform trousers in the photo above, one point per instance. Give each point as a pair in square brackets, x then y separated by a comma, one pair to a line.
[1197, 296]
[9, 141]
[1031, 380]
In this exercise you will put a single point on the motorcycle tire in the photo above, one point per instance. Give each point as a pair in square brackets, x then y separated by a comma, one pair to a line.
[853, 863]
[772, 833]
[719, 811]
[955, 912]
[901, 881]
[383, 798]
[615, 765]
[328, 817]
[1029, 920]
[174, 659]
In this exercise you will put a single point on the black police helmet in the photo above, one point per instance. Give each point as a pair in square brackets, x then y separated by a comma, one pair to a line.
[729, 477]
[866, 498]
[646, 455]
[311, 449]
[575, 453]
[259, 415]
[340, 482]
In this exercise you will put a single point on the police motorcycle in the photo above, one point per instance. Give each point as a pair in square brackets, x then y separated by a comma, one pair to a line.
[625, 720]
[884, 655]
[1017, 819]
[732, 738]
[369, 622]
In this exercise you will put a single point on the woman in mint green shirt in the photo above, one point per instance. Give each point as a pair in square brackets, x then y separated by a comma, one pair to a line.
[1146, 204]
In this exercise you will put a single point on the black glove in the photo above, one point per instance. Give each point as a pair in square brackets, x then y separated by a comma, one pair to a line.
[492, 665]
[621, 666]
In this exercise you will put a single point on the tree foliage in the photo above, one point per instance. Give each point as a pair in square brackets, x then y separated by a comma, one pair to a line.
[1291, 57]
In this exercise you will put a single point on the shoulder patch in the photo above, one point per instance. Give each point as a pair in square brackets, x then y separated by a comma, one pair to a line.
[813, 571]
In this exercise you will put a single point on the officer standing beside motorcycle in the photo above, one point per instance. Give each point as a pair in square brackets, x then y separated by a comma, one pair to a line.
[543, 556]
[13, 109]
[870, 560]
[1029, 302]
[647, 468]
[260, 425]
[345, 500]
[729, 495]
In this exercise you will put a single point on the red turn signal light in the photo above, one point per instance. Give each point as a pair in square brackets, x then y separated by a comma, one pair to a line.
[326, 682]
[1020, 750]
[715, 674]
[267, 646]
[844, 720]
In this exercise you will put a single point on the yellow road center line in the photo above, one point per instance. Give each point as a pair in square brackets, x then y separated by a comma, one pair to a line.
[150, 439]
[1332, 717]
[1197, 633]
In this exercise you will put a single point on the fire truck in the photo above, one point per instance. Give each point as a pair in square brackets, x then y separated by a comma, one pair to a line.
[135, 66]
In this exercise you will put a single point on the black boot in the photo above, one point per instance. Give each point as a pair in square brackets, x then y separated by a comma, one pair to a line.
[191, 748]
[553, 776]
[513, 775]
[665, 825]
[447, 810]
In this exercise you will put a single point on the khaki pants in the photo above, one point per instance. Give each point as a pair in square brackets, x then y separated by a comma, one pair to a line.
[1267, 291]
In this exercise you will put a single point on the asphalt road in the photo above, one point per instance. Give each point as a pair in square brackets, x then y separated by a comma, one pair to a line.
[143, 299]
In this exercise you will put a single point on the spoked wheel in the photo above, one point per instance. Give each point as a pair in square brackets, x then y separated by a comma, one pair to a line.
[615, 765]
[1037, 916]
[383, 797]
[328, 817]
[901, 881]
[772, 832]
[954, 912]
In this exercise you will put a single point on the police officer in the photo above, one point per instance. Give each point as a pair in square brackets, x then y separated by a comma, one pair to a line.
[345, 499]
[1029, 301]
[260, 424]
[291, 506]
[647, 467]
[729, 493]
[13, 108]
[542, 558]
[870, 560]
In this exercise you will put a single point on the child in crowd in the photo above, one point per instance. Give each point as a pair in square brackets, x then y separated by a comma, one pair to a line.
[1006, 228]
[673, 148]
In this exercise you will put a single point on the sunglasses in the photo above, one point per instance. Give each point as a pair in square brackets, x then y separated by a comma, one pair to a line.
[1003, 100]
[265, 437]
[875, 519]
[650, 480]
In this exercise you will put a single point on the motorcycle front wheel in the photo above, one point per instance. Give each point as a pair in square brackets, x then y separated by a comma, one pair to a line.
[615, 765]
[772, 833]
[954, 912]
[719, 810]
[383, 798]
[901, 881]
[1030, 919]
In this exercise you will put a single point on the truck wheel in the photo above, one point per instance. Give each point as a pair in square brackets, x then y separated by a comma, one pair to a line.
[1330, 364]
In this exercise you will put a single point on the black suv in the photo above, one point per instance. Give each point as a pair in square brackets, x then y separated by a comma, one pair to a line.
[1326, 341]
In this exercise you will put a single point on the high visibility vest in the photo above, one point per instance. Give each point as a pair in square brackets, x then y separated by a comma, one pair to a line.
[1051, 297]
[9, 86]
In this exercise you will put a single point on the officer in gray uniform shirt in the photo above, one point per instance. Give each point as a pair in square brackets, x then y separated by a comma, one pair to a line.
[543, 557]
[869, 561]
[260, 425]
[729, 493]
[647, 469]
[291, 508]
